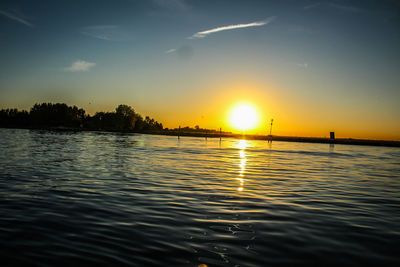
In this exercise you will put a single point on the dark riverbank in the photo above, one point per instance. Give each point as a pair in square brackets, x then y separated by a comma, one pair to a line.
[344, 141]
[216, 134]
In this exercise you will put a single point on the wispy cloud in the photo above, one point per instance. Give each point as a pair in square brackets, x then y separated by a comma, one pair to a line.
[203, 34]
[170, 51]
[302, 65]
[79, 66]
[16, 18]
[106, 32]
[184, 52]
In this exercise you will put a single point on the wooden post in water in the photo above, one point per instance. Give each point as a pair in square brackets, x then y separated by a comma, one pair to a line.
[270, 131]
[179, 132]
[220, 134]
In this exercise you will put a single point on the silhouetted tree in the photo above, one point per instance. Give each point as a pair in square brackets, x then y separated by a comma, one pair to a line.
[52, 115]
[14, 118]
[48, 114]
[139, 123]
[125, 118]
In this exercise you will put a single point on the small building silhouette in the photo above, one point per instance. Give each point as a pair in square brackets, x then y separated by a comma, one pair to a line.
[332, 135]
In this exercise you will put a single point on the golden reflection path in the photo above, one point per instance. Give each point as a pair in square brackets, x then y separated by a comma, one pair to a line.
[241, 145]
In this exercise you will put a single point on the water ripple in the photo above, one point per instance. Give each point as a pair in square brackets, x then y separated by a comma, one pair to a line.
[128, 199]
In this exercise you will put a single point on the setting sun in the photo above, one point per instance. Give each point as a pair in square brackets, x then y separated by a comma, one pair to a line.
[243, 117]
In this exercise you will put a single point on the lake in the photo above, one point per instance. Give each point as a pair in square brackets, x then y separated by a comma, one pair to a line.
[101, 198]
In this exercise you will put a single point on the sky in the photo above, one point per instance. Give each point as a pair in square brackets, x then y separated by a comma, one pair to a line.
[312, 66]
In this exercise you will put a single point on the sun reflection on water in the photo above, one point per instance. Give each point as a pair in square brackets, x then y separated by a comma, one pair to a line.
[242, 144]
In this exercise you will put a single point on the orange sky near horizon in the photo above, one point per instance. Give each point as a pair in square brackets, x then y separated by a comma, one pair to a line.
[313, 69]
[209, 106]
[293, 116]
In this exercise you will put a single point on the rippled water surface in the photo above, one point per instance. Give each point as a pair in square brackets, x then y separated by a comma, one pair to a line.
[126, 199]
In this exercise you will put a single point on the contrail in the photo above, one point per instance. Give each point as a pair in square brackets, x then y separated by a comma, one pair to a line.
[203, 34]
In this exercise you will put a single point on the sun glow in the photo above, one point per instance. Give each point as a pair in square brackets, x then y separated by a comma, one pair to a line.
[244, 117]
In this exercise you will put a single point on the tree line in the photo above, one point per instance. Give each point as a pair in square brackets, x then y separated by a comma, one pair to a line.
[48, 115]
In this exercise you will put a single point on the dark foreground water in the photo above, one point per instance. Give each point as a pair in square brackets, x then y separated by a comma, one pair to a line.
[116, 199]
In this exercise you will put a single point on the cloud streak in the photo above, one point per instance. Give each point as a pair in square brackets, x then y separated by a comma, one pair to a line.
[170, 51]
[302, 65]
[16, 18]
[80, 66]
[106, 32]
[203, 34]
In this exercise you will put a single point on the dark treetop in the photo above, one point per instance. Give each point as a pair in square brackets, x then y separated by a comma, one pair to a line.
[62, 116]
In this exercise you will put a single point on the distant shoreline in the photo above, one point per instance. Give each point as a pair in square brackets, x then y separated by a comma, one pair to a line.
[61, 117]
[215, 134]
[321, 140]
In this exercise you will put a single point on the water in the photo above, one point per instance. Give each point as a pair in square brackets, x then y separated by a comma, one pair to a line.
[125, 199]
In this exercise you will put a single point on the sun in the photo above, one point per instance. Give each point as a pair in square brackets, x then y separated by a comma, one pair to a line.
[244, 117]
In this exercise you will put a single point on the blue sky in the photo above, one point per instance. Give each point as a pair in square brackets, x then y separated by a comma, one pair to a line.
[312, 65]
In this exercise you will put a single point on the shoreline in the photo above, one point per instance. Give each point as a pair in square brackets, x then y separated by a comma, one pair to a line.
[214, 134]
[299, 139]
